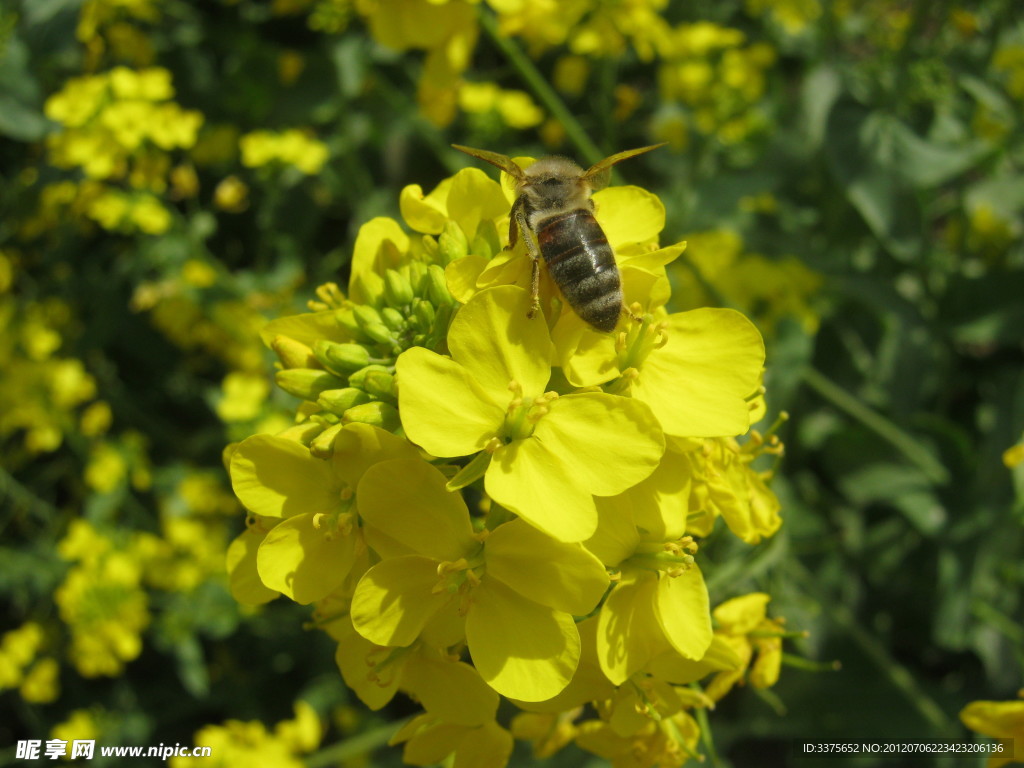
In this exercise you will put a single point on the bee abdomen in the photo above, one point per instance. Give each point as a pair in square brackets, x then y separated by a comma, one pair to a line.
[582, 264]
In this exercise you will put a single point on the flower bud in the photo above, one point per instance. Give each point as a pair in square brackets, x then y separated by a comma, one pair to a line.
[302, 433]
[393, 319]
[343, 359]
[340, 400]
[452, 243]
[430, 248]
[486, 242]
[358, 378]
[416, 272]
[322, 445]
[424, 312]
[292, 353]
[371, 324]
[381, 385]
[346, 319]
[306, 383]
[397, 288]
[437, 286]
[376, 413]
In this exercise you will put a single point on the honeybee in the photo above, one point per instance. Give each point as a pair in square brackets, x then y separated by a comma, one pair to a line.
[555, 216]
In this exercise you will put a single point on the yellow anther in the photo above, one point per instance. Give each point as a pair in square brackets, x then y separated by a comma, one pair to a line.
[318, 519]
[620, 342]
[515, 388]
[493, 444]
[537, 413]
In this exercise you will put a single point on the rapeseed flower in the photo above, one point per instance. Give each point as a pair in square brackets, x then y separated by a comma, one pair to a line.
[542, 454]
[1002, 721]
[516, 589]
[484, 504]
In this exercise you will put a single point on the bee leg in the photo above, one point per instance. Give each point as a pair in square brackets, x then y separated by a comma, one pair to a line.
[519, 217]
[631, 314]
[534, 288]
[513, 229]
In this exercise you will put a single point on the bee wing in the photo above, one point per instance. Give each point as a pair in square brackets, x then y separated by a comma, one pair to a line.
[599, 173]
[501, 161]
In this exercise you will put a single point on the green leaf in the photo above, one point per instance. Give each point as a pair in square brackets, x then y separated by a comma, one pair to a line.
[859, 148]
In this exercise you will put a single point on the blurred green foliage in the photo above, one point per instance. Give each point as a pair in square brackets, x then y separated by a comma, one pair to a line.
[173, 173]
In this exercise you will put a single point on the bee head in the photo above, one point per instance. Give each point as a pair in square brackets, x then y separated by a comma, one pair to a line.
[554, 182]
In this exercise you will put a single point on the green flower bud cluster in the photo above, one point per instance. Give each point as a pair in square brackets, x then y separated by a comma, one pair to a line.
[353, 380]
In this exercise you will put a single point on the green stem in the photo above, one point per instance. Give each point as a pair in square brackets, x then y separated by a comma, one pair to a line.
[877, 423]
[701, 715]
[357, 746]
[809, 665]
[541, 89]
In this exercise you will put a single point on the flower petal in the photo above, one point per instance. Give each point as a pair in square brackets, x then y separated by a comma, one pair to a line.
[651, 260]
[490, 745]
[425, 213]
[394, 600]
[407, 500]
[628, 633]
[616, 537]
[587, 356]
[442, 408]
[276, 477]
[697, 383]
[608, 443]
[352, 660]
[243, 578]
[629, 214]
[740, 615]
[461, 276]
[359, 446]
[450, 690]
[562, 576]
[473, 197]
[528, 478]
[306, 328]
[523, 650]
[497, 343]
[379, 244]
[684, 612]
[300, 561]
[661, 502]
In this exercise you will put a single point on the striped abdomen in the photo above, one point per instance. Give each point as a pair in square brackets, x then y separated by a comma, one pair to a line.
[582, 264]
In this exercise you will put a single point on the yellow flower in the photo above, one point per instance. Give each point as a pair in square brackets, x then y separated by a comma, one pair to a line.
[429, 741]
[545, 453]
[447, 688]
[660, 601]
[670, 742]
[311, 550]
[1003, 721]
[517, 589]
[292, 147]
[1014, 456]
[744, 625]
[41, 684]
[249, 743]
[102, 602]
